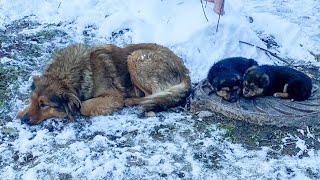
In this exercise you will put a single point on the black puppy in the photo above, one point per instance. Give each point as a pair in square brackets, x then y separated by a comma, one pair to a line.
[279, 81]
[225, 76]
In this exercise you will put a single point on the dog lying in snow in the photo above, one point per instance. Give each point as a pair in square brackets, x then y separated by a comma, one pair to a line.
[102, 79]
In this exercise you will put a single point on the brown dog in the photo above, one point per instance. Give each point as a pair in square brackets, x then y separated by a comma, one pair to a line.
[102, 79]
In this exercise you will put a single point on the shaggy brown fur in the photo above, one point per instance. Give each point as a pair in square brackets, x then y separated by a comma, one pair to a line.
[102, 79]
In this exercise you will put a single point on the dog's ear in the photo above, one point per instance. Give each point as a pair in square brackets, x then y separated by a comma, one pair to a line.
[72, 104]
[35, 81]
[253, 62]
[250, 69]
[215, 84]
[264, 80]
[239, 80]
[36, 78]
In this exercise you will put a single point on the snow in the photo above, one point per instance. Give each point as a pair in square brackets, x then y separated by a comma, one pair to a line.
[124, 145]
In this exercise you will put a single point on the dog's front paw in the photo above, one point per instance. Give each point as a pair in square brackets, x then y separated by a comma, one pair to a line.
[131, 102]
[128, 102]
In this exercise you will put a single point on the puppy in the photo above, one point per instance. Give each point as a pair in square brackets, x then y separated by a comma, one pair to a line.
[279, 81]
[225, 76]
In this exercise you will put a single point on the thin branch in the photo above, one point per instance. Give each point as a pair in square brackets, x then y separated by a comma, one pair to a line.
[221, 8]
[266, 50]
[204, 10]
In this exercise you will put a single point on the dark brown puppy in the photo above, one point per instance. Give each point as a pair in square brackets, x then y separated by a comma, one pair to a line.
[279, 81]
[225, 77]
[97, 81]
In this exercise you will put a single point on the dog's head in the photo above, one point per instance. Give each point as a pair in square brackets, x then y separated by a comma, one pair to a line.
[227, 86]
[49, 98]
[255, 80]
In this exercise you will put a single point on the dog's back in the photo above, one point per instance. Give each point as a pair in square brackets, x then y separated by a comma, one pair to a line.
[160, 75]
[299, 84]
[237, 65]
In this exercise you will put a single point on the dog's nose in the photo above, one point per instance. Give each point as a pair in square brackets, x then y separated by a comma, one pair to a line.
[25, 118]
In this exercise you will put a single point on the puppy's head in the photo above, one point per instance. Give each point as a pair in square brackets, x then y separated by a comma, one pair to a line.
[49, 98]
[227, 86]
[255, 80]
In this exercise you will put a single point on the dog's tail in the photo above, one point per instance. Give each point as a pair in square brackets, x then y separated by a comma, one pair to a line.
[173, 96]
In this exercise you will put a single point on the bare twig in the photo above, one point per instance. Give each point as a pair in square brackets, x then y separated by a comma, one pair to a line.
[221, 8]
[59, 5]
[204, 10]
[267, 51]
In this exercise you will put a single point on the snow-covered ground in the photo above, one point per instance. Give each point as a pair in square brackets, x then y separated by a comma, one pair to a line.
[171, 145]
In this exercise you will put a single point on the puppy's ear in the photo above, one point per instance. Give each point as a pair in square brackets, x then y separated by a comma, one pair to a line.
[215, 84]
[72, 105]
[239, 81]
[250, 69]
[253, 62]
[264, 80]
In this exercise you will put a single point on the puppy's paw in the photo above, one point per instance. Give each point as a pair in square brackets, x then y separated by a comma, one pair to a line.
[276, 95]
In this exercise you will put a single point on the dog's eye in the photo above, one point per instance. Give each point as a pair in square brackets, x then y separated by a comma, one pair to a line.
[42, 104]
[225, 89]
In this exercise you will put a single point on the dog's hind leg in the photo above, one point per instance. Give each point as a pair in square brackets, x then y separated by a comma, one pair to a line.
[101, 105]
[283, 94]
[299, 89]
[138, 92]
[161, 75]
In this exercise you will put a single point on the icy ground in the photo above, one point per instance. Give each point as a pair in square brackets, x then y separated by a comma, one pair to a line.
[172, 145]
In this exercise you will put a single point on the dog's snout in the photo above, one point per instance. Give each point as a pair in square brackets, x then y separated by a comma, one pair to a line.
[25, 118]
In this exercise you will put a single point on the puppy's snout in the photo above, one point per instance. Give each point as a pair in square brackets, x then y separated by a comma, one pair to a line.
[245, 90]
